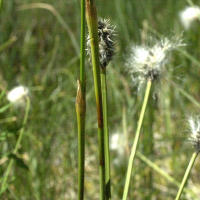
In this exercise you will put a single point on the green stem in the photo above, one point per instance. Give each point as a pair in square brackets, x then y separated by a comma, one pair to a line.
[192, 160]
[106, 134]
[81, 109]
[91, 16]
[82, 59]
[135, 143]
[21, 133]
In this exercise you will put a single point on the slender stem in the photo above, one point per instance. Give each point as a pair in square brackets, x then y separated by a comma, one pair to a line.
[91, 16]
[81, 109]
[192, 160]
[135, 143]
[82, 56]
[106, 134]
[21, 133]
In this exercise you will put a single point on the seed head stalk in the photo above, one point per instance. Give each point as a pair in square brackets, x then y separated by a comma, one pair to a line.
[192, 160]
[21, 133]
[91, 17]
[106, 135]
[135, 143]
[81, 109]
[106, 33]
[82, 60]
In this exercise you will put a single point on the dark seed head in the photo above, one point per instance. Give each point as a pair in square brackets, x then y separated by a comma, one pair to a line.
[106, 33]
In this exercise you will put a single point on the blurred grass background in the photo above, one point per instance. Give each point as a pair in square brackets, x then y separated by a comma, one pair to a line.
[45, 59]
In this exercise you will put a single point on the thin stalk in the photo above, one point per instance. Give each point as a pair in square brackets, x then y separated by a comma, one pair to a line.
[21, 133]
[82, 56]
[135, 143]
[192, 160]
[81, 109]
[91, 17]
[106, 134]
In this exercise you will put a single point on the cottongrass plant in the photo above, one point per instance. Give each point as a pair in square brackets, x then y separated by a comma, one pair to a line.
[195, 141]
[106, 34]
[106, 44]
[149, 61]
[146, 64]
[92, 22]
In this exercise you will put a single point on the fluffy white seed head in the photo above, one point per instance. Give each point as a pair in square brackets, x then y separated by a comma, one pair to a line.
[148, 61]
[195, 132]
[18, 95]
[189, 15]
[106, 33]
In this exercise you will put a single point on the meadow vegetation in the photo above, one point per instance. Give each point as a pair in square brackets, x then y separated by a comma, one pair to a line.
[43, 55]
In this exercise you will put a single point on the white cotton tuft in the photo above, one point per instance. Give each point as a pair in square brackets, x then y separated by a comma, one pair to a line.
[18, 95]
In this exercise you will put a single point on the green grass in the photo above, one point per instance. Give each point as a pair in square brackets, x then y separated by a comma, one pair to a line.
[45, 59]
